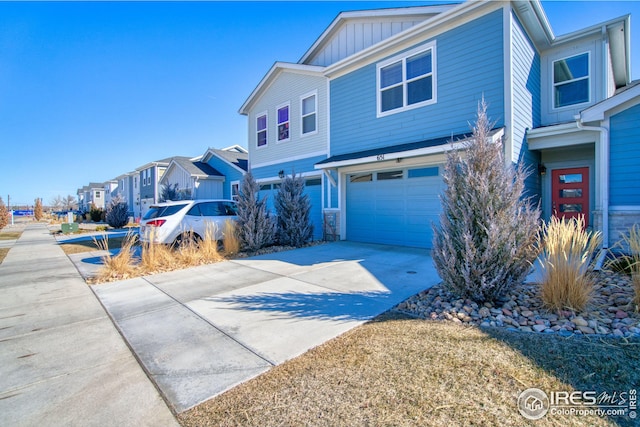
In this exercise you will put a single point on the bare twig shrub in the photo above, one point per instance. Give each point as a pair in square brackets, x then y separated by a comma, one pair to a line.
[567, 260]
[486, 240]
[120, 266]
[230, 242]
[256, 228]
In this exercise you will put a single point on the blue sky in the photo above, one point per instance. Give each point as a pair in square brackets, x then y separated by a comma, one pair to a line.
[89, 91]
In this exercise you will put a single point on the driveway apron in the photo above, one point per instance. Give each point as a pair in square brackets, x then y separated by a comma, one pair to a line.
[201, 331]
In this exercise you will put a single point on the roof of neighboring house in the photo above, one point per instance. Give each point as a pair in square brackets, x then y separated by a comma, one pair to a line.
[163, 162]
[196, 168]
[231, 155]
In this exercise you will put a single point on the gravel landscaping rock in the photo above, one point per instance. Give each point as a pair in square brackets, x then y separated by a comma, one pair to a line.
[610, 312]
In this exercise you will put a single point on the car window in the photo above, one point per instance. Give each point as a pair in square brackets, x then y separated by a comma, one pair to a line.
[194, 211]
[229, 208]
[210, 209]
[158, 211]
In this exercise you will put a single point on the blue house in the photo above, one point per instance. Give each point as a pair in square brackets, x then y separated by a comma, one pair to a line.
[394, 87]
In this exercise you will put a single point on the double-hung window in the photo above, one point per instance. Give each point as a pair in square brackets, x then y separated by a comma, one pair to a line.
[261, 130]
[571, 81]
[283, 123]
[407, 81]
[309, 116]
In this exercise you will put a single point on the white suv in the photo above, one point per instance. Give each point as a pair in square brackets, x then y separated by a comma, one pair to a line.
[174, 222]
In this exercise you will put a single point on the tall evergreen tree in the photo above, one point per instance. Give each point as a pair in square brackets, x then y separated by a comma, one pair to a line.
[293, 208]
[256, 228]
[117, 215]
[487, 238]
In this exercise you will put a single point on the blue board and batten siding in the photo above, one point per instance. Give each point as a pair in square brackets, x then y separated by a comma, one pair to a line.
[525, 103]
[230, 173]
[625, 158]
[469, 64]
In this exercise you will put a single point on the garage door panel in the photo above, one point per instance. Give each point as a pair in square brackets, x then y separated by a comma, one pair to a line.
[394, 211]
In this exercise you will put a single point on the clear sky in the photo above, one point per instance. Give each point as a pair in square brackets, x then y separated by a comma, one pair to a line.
[89, 91]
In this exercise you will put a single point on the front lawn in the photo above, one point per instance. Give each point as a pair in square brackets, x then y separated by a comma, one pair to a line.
[400, 371]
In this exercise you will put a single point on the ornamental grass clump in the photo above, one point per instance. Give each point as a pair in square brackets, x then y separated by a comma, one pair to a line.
[486, 240]
[119, 266]
[567, 264]
[630, 243]
[230, 242]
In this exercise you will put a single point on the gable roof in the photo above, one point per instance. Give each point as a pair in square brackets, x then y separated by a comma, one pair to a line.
[231, 155]
[196, 168]
[369, 21]
[625, 94]
[275, 70]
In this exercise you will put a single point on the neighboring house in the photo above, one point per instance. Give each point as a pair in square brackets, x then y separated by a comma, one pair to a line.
[125, 190]
[110, 191]
[148, 183]
[232, 163]
[393, 88]
[91, 194]
[214, 175]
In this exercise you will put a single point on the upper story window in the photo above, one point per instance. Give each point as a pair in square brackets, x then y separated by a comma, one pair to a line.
[407, 81]
[571, 81]
[309, 116]
[261, 129]
[283, 123]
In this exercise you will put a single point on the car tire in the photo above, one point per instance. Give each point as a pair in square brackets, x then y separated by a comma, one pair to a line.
[185, 239]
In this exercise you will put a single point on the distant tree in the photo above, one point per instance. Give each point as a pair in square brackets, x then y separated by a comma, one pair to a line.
[57, 203]
[256, 228]
[70, 203]
[171, 192]
[37, 210]
[117, 215]
[293, 208]
[95, 213]
[4, 214]
[487, 238]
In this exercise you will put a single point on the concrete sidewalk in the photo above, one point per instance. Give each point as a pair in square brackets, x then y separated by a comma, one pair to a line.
[201, 331]
[62, 361]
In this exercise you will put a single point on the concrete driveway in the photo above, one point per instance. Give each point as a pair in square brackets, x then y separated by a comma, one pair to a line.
[201, 331]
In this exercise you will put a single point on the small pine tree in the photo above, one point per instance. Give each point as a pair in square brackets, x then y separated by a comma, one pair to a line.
[117, 215]
[4, 214]
[487, 238]
[37, 210]
[293, 208]
[95, 213]
[256, 229]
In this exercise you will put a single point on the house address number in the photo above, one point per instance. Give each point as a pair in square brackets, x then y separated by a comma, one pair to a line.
[380, 157]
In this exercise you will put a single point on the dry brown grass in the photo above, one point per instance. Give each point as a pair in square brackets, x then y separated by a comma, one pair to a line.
[231, 241]
[405, 372]
[10, 235]
[156, 257]
[3, 254]
[566, 259]
[119, 266]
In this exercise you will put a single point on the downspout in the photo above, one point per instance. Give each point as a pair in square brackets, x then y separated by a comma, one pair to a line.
[604, 156]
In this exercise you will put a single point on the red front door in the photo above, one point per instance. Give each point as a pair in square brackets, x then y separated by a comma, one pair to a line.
[570, 193]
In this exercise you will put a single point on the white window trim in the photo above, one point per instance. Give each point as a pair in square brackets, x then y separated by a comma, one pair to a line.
[266, 114]
[278, 108]
[402, 57]
[302, 116]
[553, 84]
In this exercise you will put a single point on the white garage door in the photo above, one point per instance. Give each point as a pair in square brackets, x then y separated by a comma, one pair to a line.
[395, 207]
